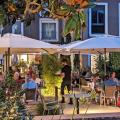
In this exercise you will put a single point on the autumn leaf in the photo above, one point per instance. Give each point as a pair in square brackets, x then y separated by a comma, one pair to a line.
[70, 2]
[11, 7]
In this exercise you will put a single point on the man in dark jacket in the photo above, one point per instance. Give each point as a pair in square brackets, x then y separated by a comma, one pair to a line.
[66, 75]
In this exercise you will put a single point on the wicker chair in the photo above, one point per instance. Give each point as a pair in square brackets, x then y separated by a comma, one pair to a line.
[108, 94]
[49, 106]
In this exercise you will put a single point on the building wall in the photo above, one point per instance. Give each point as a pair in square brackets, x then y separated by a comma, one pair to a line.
[113, 17]
[32, 31]
[113, 23]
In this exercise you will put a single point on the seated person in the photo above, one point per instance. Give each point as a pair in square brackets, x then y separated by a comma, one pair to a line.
[17, 78]
[84, 72]
[93, 84]
[106, 77]
[15, 70]
[31, 89]
[36, 79]
[29, 83]
[30, 71]
[112, 81]
[88, 73]
[75, 78]
[113, 77]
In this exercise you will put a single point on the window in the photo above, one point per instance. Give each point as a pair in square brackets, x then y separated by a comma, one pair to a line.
[98, 19]
[17, 28]
[48, 29]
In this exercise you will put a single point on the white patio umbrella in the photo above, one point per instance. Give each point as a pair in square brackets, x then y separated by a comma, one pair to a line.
[13, 43]
[96, 45]
[22, 44]
[106, 43]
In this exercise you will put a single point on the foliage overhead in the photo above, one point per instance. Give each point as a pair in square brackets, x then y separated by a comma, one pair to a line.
[72, 11]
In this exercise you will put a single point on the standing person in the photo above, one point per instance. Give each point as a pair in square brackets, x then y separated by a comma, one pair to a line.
[66, 76]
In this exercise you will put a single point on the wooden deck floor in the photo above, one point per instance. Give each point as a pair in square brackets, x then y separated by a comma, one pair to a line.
[77, 117]
[93, 112]
[92, 109]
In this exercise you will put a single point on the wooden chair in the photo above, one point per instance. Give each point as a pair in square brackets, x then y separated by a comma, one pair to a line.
[108, 94]
[30, 95]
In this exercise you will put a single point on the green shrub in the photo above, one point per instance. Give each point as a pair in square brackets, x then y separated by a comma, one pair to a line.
[113, 63]
[40, 109]
[11, 107]
[50, 66]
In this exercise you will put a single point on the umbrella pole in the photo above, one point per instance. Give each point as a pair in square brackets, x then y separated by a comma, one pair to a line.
[5, 62]
[8, 58]
[105, 61]
[79, 71]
